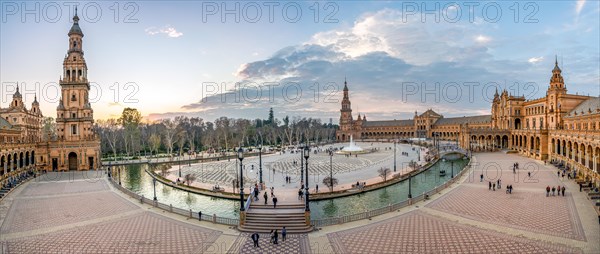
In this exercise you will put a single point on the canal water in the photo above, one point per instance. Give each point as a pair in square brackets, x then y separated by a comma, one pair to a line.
[134, 178]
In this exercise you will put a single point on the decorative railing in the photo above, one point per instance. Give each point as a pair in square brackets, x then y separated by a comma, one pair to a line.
[187, 213]
[392, 207]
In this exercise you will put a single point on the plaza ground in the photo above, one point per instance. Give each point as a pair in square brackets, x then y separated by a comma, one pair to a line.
[73, 213]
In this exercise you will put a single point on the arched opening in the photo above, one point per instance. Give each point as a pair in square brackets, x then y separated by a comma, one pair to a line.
[504, 141]
[21, 160]
[517, 123]
[2, 165]
[27, 158]
[72, 161]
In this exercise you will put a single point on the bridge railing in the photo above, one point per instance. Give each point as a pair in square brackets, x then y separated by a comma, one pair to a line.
[391, 207]
[187, 213]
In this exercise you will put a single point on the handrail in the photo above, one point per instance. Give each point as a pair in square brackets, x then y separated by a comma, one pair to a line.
[187, 213]
[249, 200]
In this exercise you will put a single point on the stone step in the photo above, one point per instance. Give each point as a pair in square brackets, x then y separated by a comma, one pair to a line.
[275, 222]
[267, 229]
[270, 204]
[275, 215]
[281, 218]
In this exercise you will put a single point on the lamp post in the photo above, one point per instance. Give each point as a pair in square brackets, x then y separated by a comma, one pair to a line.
[452, 168]
[394, 155]
[240, 154]
[331, 169]
[306, 155]
[302, 166]
[119, 176]
[179, 162]
[154, 184]
[260, 178]
[409, 178]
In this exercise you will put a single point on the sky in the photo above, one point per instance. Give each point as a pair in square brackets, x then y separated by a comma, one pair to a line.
[240, 58]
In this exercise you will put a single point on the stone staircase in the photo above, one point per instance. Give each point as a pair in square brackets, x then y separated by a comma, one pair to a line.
[262, 218]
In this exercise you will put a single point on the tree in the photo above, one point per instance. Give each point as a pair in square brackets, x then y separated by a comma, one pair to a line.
[130, 120]
[169, 134]
[383, 173]
[330, 182]
[189, 178]
[154, 142]
[271, 120]
[109, 131]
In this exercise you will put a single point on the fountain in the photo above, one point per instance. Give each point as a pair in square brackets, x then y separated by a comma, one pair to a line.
[352, 148]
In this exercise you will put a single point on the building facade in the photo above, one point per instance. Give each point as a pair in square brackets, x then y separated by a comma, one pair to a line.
[558, 127]
[75, 145]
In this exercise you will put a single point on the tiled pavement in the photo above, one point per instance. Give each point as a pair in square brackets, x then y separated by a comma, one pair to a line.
[418, 232]
[80, 214]
[468, 218]
[139, 233]
[294, 244]
[523, 210]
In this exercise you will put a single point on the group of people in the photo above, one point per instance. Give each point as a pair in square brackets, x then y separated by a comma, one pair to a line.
[274, 235]
[288, 179]
[515, 167]
[266, 196]
[492, 186]
[554, 190]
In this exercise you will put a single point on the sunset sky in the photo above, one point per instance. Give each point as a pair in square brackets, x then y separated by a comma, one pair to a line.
[165, 57]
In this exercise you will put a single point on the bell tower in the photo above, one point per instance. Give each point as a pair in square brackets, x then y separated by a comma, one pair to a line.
[346, 111]
[75, 117]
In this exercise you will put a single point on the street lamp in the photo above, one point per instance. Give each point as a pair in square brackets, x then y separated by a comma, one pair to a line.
[302, 166]
[240, 154]
[260, 178]
[394, 155]
[414, 165]
[331, 169]
[119, 175]
[306, 155]
[179, 162]
[452, 168]
[154, 183]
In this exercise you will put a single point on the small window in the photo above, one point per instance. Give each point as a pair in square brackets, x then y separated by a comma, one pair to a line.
[73, 97]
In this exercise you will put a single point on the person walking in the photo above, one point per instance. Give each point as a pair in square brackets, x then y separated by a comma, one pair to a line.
[300, 194]
[490, 185]
[317, 188]
[275, 236]
[272, 235]
[499, 182]
[272, 190]
[547, 190]
[266, 196]
[274, 201]
[494, 186]
[553, 189]
[481, 178]
[255, 237]
[580, 187]
[283, 234]
[563, 191]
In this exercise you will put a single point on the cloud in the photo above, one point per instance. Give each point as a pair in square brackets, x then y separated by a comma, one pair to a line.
[381, 55]
[579, 6]
[483, 39]
[167, 30]
[535, 60]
